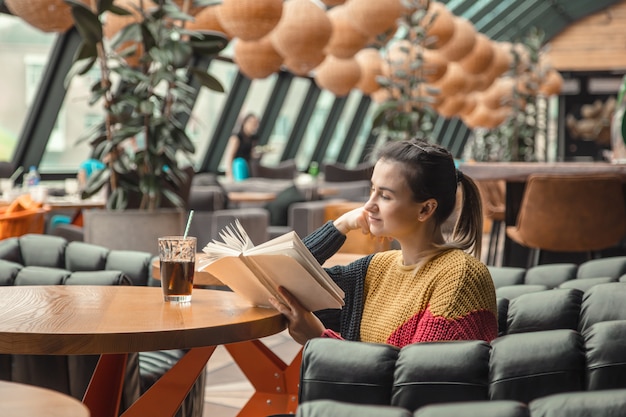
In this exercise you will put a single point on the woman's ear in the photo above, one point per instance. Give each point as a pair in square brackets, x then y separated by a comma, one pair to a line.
[428, 208]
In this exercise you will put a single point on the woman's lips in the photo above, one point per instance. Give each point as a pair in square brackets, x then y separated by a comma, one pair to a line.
[373, 220]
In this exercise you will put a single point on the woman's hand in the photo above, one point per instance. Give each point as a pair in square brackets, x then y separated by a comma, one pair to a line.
[303, 325]
[353, 219]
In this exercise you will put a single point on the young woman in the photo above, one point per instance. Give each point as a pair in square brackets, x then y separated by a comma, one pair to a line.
[431, 289]
[241, 148]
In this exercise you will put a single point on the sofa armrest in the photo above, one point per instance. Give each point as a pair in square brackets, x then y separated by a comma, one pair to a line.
[8, 271]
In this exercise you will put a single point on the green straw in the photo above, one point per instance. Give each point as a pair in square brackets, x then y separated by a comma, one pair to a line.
[188, 224]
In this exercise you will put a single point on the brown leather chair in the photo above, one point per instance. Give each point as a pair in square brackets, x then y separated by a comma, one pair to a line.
[570, 213]
[494, 203]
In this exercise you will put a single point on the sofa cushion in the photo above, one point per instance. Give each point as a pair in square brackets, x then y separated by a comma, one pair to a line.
[501, 408]
[43, 250]
[526, 366]
[605, 267]
[135, 264]
[355, 372]
[551, 275]
[80, 256]
[506, 275]
[10, 250]
[8, 271]
[584, 284]
[436, 372]
[326, 408]
[608, 403]
[98, 278]
[606, 355]
[512, 291]
[41, 275]
[603, 302]
[544, 310]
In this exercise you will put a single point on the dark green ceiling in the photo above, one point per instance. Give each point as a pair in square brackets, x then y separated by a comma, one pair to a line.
[510, 20]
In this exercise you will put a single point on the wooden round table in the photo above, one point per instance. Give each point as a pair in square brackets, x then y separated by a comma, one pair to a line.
[116, 320]
[19, 400]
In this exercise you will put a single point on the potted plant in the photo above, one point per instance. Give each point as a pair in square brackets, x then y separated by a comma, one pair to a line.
[144, 88]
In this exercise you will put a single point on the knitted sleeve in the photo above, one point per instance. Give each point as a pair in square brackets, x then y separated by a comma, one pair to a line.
[323, 243]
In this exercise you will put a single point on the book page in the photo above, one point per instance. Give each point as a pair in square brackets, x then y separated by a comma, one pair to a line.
[291, 244]
[283, 270]
[238, 277]
[255, 273]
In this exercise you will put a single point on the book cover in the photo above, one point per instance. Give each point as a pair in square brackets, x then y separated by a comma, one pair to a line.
[255, 272]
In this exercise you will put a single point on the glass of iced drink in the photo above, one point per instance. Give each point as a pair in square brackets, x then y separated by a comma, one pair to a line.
[177, 255]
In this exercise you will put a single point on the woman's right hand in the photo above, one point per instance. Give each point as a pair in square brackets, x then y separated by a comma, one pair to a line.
[352, 220]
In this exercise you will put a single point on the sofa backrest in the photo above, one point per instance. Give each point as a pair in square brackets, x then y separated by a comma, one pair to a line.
[35, 259]
[518, 367]
[562, 275]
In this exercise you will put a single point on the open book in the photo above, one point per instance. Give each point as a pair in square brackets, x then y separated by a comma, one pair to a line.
[255, 272]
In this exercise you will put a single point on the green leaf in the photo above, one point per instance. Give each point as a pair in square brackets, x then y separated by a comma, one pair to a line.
[208, 43]
[118, 200]
[104, 5]
[181, 53]
[131, 32]
[203, 3]
[181, 138]
[623, 126]
[208, 80]
[119, 11]
[87, 23]
[622, 91]
[95, 182]
[79, 68]
[173, 197]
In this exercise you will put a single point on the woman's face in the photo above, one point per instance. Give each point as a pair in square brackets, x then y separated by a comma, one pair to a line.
[391, 210]
[251, 125]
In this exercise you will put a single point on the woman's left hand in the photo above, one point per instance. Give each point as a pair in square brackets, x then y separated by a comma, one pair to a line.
[303, 324]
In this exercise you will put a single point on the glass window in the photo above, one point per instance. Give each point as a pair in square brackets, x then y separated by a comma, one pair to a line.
[314, 129]
[208, 108]
[286, 119]
[343, 124]
[64, 150]
[257, 99]
[24, 51]
[362, 136]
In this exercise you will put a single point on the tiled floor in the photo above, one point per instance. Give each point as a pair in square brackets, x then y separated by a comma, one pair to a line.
[227, 389]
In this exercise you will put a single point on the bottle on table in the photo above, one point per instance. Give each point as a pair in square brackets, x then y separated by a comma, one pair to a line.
[32, 178]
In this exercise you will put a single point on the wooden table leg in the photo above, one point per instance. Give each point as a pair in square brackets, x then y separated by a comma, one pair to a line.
[104, 393]
[168, 393]
[275, 382]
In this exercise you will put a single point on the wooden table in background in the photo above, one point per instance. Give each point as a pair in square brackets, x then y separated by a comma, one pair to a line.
[115, 320]
[20, 400]
[250, 197]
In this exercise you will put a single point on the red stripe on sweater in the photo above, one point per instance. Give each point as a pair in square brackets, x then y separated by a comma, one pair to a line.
[424, 327]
